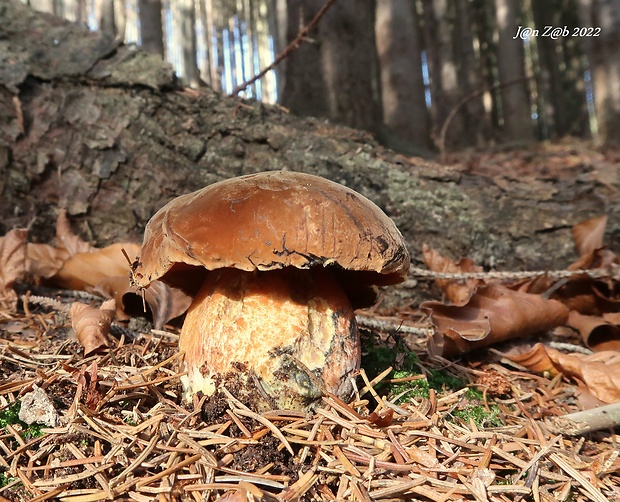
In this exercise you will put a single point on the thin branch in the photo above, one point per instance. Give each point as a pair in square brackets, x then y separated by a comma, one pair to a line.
[612, 272]
[441, 139]
[303, 33]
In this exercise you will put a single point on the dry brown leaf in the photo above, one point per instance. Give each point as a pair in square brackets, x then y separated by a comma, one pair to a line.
[75, 264]
[535, 286]
[88, 381]
[493, 314]
[164, 301]
[457, 292]
[612, 317]
[43, 260]
[67, 242]
[596, 332]
[588, 235]
[83, 271]
[599, 258]
[92, 325]
[599, 372]
[578, 294]
[119, 288]
[92, 392]
[587, 295]
[13, 264]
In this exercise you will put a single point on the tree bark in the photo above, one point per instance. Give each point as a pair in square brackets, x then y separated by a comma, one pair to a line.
[184, 29]
[43, 5]
[439, 18]
[402, 85]
[105, 131]
[151, 29]
[278, 15]
[516, 113]
[604, 64]
[559, 91]
[335, 75]
[476, 120]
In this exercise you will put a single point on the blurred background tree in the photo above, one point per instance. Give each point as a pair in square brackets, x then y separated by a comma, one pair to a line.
[422, 75]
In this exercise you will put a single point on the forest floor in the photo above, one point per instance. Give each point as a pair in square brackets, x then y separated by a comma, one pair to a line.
[112, 425]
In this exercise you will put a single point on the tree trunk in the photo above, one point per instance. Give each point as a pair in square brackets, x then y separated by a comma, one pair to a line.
[559, 73]
[516, 113]
[443, 70]
[476, 120]
[106, 19]
[151, 29]
[184, 29]
[43, 5]
[278, 16]
[604, 58]
[105, 131]
[484, 17]
[335, 75]
[402, 85]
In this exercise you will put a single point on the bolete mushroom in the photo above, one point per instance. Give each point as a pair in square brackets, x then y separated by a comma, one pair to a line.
[276, 263]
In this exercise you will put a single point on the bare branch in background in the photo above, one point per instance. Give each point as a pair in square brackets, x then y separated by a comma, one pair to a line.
[303, 33]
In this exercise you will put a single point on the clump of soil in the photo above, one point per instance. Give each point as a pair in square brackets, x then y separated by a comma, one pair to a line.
[268, 451]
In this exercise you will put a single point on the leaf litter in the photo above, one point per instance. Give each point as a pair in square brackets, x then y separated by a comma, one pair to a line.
[421, 426]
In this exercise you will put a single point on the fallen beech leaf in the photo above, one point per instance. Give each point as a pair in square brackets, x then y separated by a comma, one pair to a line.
[89, 382]
[83, 271]
[43, 260]
[588, 235]
[457, 292]
[578, 295]
[535, 359]
[587, 295]
[92, 325]
[92, 392]
[68, 242]
[493, 314]
[75, 264]
[599, 258]
[612, 317]
[600, 372]
[164, 301]
[535, 286]
[596, 332]
[13, 260]
[118, 287]
[607, 295]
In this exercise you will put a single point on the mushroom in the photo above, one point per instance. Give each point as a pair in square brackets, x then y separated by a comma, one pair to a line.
[276, 262]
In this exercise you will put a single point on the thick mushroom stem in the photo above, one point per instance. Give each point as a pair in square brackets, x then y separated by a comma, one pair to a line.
[292, 329]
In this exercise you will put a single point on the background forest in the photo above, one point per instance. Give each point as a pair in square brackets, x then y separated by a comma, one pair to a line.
[421, 75]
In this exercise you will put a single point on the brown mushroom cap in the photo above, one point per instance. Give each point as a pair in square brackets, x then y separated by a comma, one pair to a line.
[269, 221]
